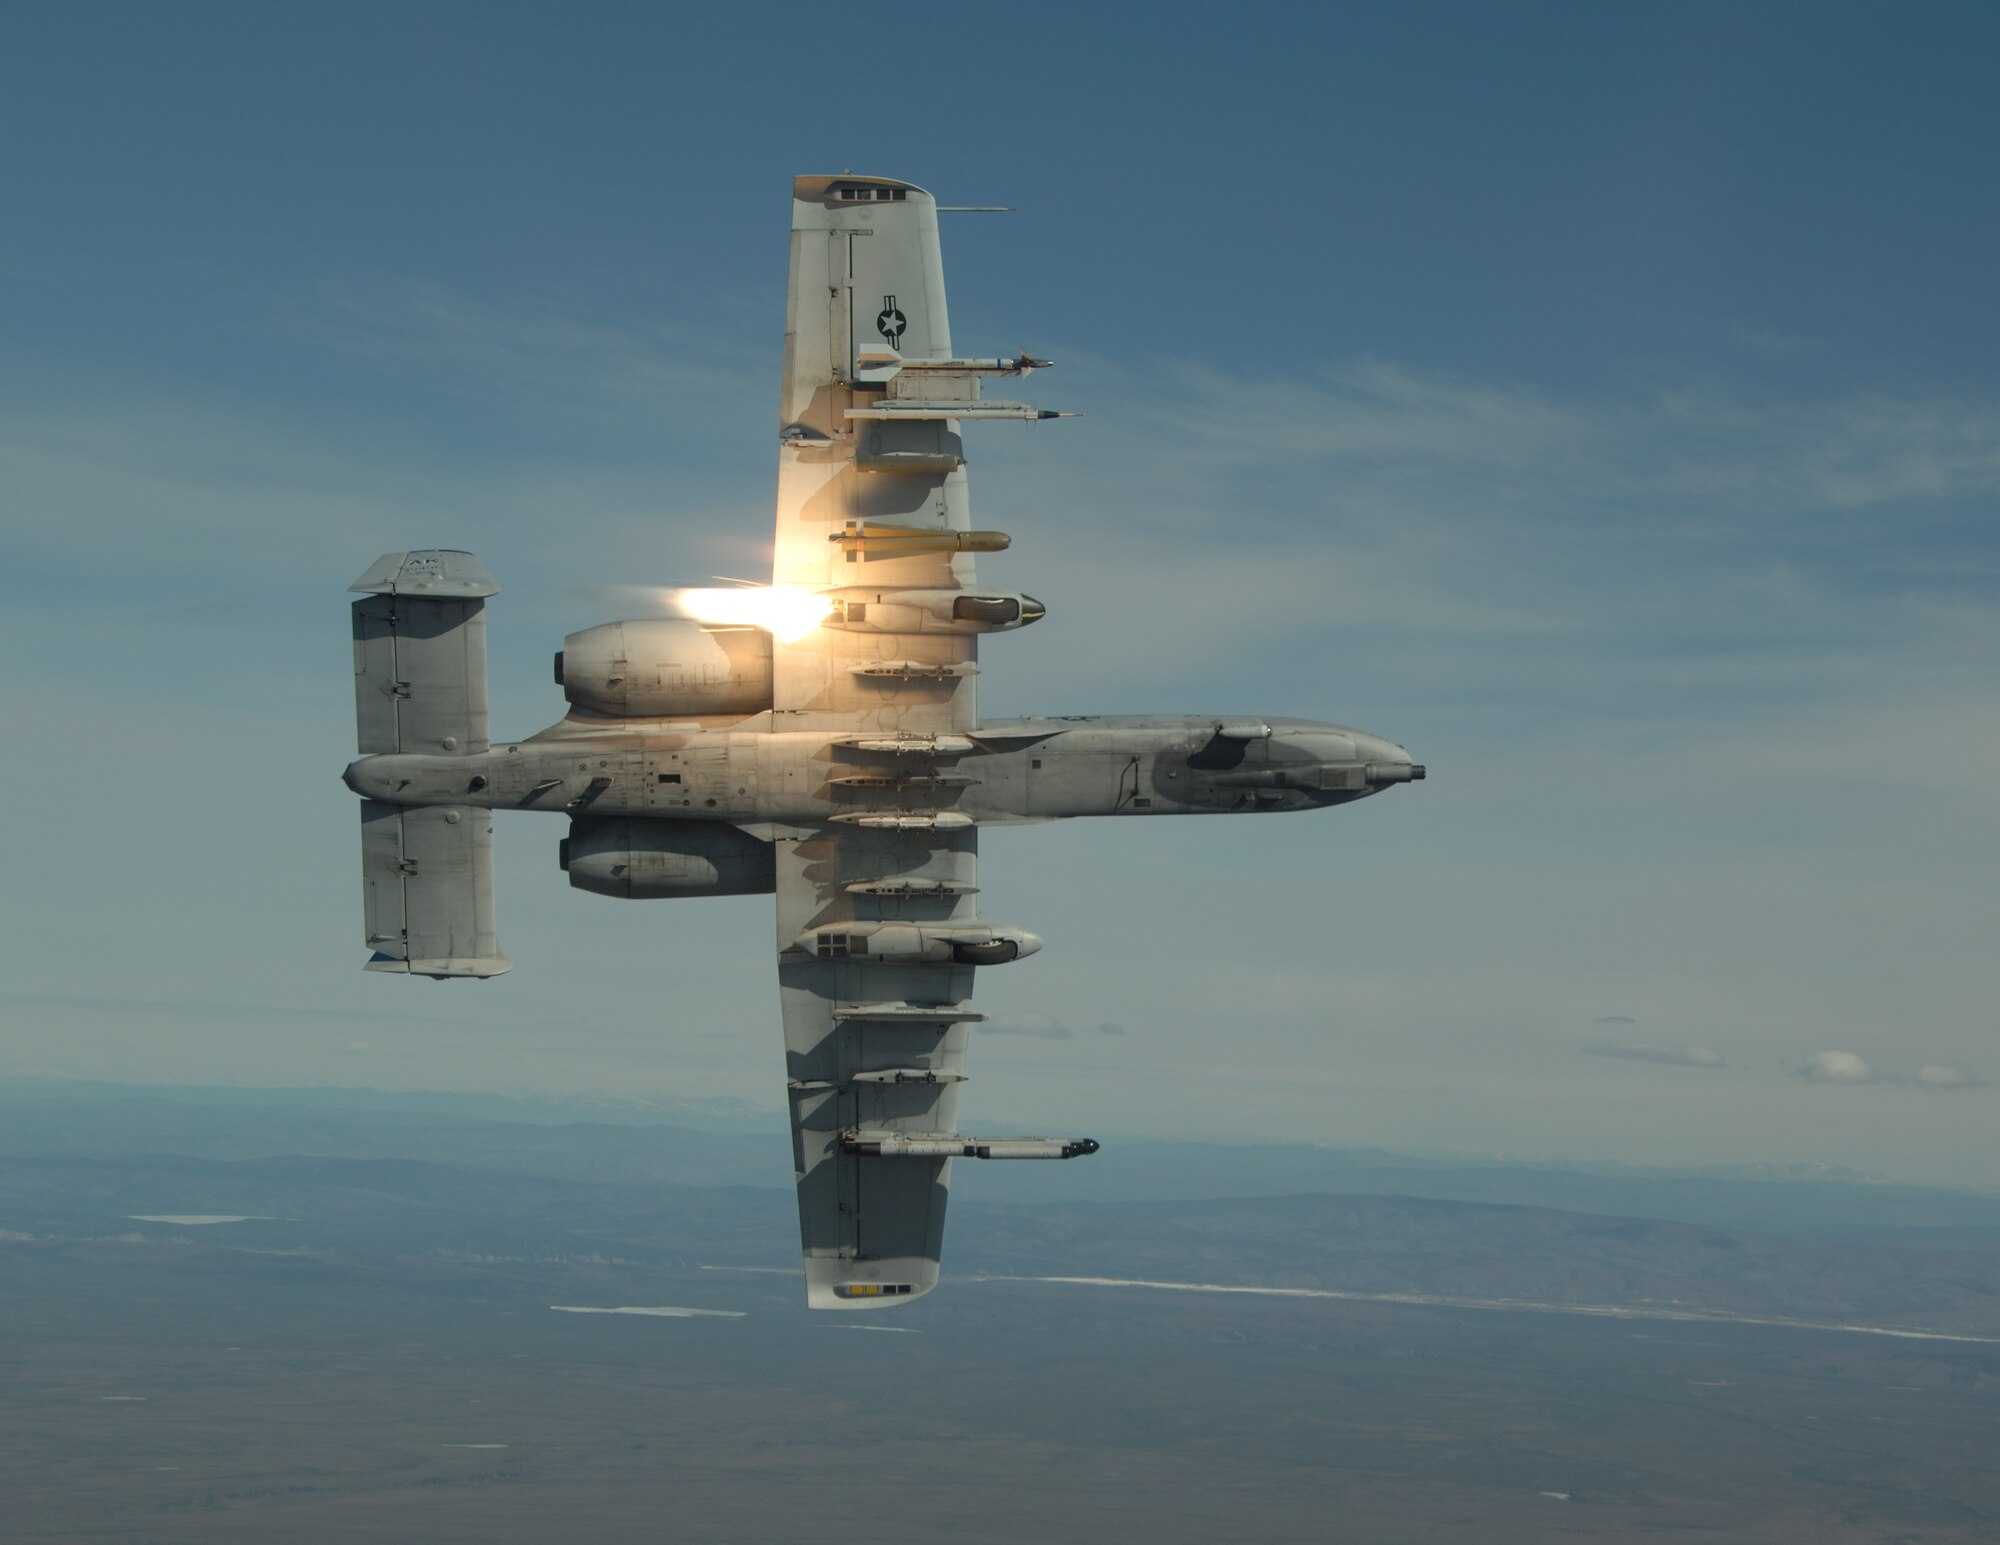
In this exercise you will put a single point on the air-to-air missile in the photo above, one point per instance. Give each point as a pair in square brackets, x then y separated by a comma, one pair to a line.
[895, 1145]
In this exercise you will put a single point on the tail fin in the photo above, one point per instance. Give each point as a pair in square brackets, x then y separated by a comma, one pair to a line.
[420, 688]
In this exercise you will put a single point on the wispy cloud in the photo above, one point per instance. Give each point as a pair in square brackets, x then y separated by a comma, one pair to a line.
[1736, 455]
[1678, 1056]
[563, 358]
[1680, 549]
[1844, 1067]
[1037, 1025]
[1836, 1067]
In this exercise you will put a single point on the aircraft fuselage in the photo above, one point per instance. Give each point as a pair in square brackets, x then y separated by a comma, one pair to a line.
[759, 771]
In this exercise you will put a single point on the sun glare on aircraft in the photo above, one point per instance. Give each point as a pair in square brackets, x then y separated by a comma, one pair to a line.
[787, 612]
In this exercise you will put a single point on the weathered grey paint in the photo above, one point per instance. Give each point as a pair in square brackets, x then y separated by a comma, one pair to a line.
[1029, 770]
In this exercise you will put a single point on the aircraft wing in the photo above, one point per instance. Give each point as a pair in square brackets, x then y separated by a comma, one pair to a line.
[870, 1049]
[869, 505]
[871, 475]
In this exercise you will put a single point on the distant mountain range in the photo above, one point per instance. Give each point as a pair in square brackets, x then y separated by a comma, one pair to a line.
[724, 1143]
[342, 1183]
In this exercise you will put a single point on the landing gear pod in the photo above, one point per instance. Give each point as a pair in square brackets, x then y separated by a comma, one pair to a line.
[861, 610]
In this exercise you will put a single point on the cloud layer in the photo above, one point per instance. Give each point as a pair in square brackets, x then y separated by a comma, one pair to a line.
[1836, 1067]
[1037, 1025]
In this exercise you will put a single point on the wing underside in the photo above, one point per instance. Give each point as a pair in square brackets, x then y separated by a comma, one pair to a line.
[870, 1048]
[867, 281]
[862, 503]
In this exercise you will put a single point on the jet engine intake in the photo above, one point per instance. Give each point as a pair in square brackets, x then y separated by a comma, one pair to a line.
[639, 860]
[666, 668]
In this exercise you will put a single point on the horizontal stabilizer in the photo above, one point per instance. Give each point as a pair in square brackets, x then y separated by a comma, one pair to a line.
[420, 689]
[427, 885]
[420, 654]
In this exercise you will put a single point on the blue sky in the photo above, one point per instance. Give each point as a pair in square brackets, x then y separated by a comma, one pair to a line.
[1601, 400]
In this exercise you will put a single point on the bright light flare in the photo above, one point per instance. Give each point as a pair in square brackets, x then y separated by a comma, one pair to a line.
[787, 612]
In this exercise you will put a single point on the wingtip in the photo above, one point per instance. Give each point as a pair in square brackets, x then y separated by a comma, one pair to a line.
[833, 1283]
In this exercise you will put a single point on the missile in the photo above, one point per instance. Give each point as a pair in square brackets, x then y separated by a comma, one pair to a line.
[939, 1145]
[901, 1076]
[922, 408]
[908, 745]
[879, 366]
[866, 540]
[1020, 365]
[915, 670]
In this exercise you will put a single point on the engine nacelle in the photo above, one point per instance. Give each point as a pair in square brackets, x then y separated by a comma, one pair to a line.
[666, 668]
[639, 860]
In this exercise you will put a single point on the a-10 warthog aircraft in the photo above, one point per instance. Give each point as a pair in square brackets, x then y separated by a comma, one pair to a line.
[817, 740]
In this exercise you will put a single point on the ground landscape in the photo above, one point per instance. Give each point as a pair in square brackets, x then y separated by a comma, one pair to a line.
[372, 1347]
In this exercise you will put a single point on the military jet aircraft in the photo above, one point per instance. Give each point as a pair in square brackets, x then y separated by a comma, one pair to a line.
[817, 740]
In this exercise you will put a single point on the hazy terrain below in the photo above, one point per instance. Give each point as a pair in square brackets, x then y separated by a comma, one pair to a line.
[364, 1341]
[710, 1144]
